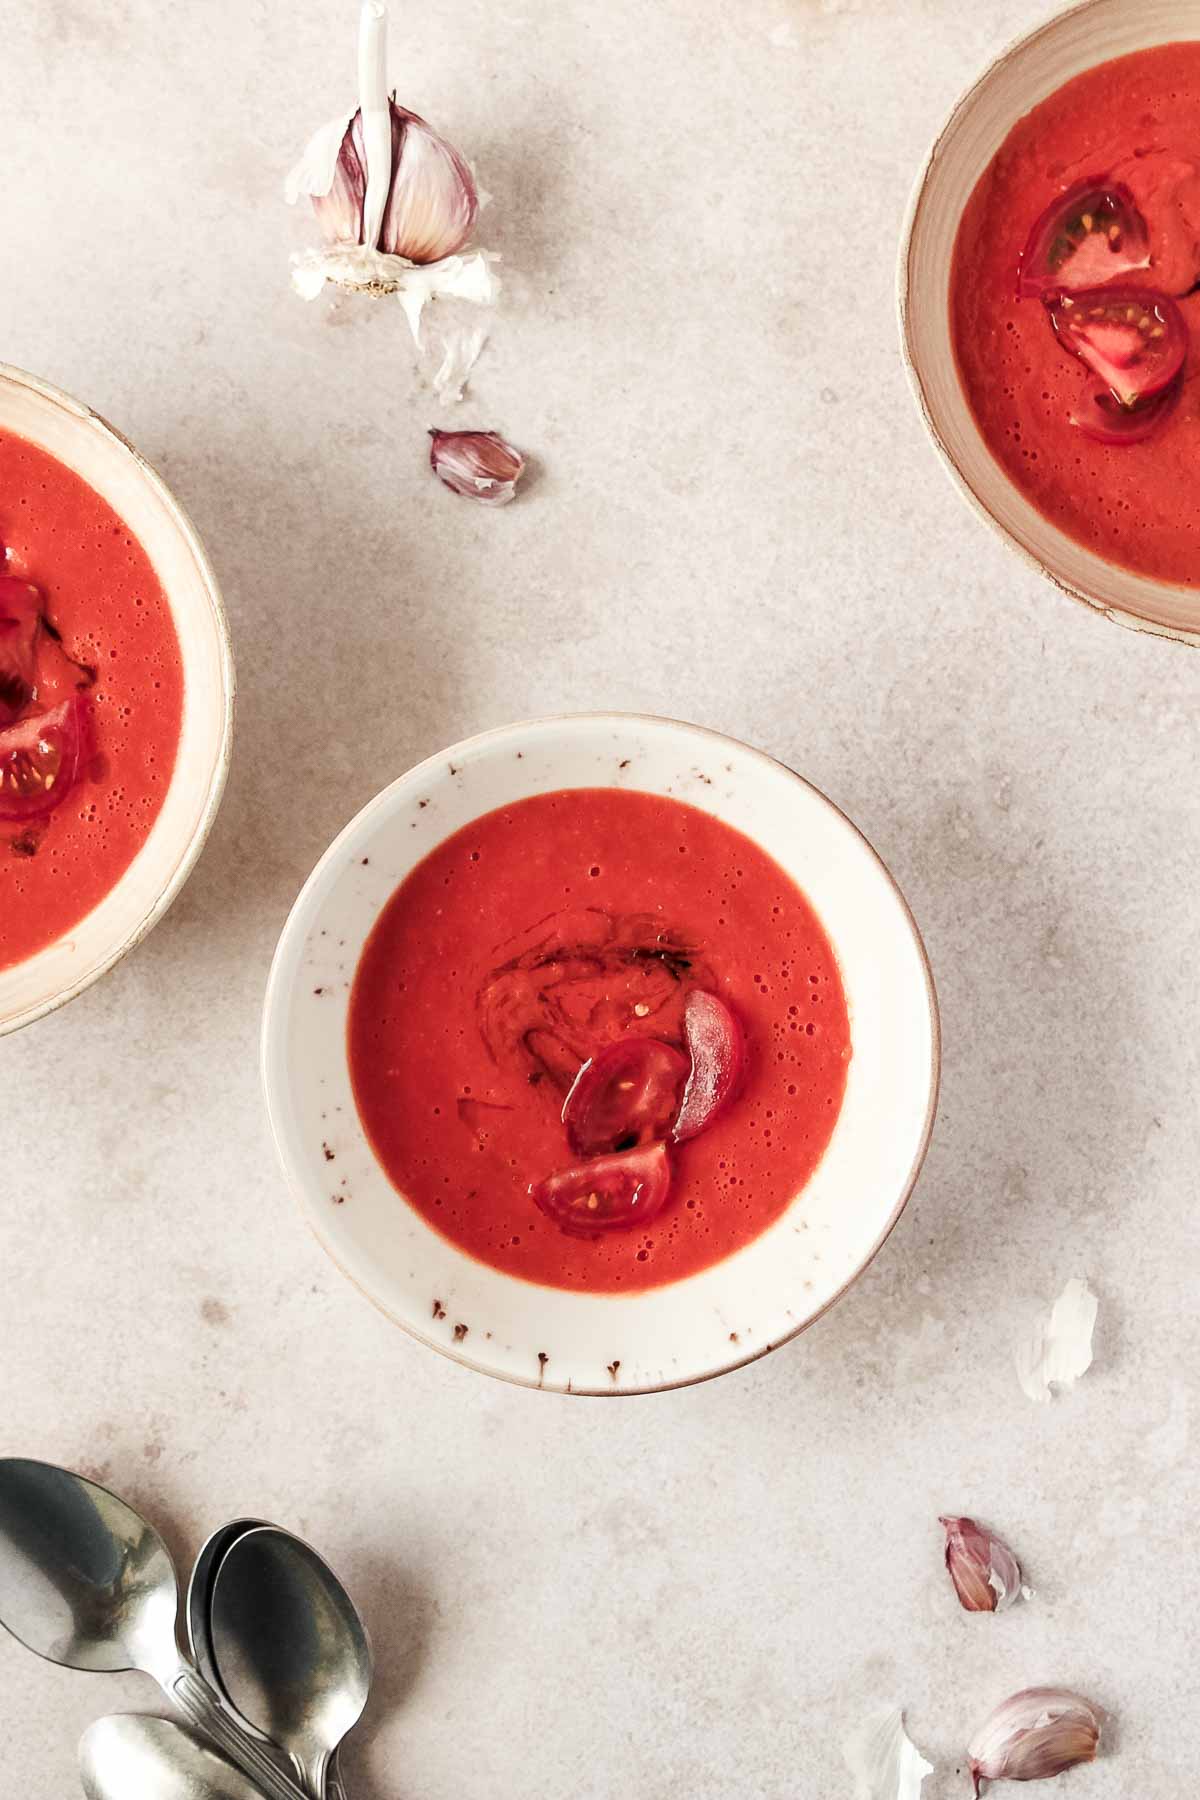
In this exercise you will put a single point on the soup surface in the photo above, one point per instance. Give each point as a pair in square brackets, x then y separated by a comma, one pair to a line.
[529, 942]
[104, 669]
[1075, 321]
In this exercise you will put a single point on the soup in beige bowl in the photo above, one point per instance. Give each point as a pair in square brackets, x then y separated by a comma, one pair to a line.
[560, 890]
[1053, 375]
[116, 697]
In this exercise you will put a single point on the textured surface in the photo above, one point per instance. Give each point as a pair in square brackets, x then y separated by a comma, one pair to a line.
[736, 518]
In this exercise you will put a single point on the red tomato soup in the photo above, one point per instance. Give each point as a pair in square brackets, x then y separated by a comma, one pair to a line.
[91, 699]
[648, 941]
[1075, 323]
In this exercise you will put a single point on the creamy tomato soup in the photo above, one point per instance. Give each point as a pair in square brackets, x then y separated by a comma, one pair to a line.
[91, 698]
[1075, 309]
[598, 1039]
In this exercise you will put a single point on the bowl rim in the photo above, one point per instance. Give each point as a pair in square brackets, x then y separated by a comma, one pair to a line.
[912, 212]
[91, 420]
[272, 1012]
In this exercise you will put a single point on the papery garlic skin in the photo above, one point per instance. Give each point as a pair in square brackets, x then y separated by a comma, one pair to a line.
[1058, 1350]
[1034, 1734]
[884, 1761]
[985, 1573]
[455, 277]
[461, 350]
[317, 168]
[478, 464]
[338, 208]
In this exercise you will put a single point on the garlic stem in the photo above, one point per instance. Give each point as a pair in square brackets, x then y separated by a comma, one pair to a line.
[376, 116]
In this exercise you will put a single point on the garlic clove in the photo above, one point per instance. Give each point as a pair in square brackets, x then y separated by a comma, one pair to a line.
[433, 204]
[339, 210]
[478, 464]
[1034, 1734]
[985, 1573]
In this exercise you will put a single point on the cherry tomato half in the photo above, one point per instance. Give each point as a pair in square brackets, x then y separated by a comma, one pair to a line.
[625, 1096]
[1089, 235]
[610, 1193]
[1134, 340]
[1103, 418]
[718, 1050]
[40, 760]
[20, 622]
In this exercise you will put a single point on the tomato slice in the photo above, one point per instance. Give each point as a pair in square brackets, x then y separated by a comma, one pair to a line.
[625, 1096]
[1134, 340]
[610, 1193]
[1091, 234]
[20, 621]
[718, 1051]
[1103, 418]
[40, 760]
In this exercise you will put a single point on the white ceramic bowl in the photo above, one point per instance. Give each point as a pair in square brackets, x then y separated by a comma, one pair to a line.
[1020, 78]
[546, 1337]
[85, 443]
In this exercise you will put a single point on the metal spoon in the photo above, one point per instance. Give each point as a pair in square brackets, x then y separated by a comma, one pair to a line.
[199, 1602]
[200, 1626]
[290, 1650]
[128, 1757]
[87, 1583]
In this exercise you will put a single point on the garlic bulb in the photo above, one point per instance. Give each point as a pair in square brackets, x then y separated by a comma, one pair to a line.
[985, 1573]
[479, 464]
[395, 202]
[431, 204]
[1033, 1734]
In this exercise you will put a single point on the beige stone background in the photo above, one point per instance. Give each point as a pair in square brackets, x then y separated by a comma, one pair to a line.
[737, 520]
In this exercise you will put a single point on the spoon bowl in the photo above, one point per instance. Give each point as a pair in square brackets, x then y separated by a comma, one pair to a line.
[84, 1581]
[128, 1757]
[199, 1602]
[289, 1647]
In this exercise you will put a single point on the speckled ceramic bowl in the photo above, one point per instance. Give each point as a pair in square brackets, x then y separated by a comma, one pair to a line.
[85, 443]
[604, 1343]
[1017, 81]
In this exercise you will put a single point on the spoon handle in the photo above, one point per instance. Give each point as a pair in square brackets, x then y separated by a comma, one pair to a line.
[335, 1787]
[202, 1710]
